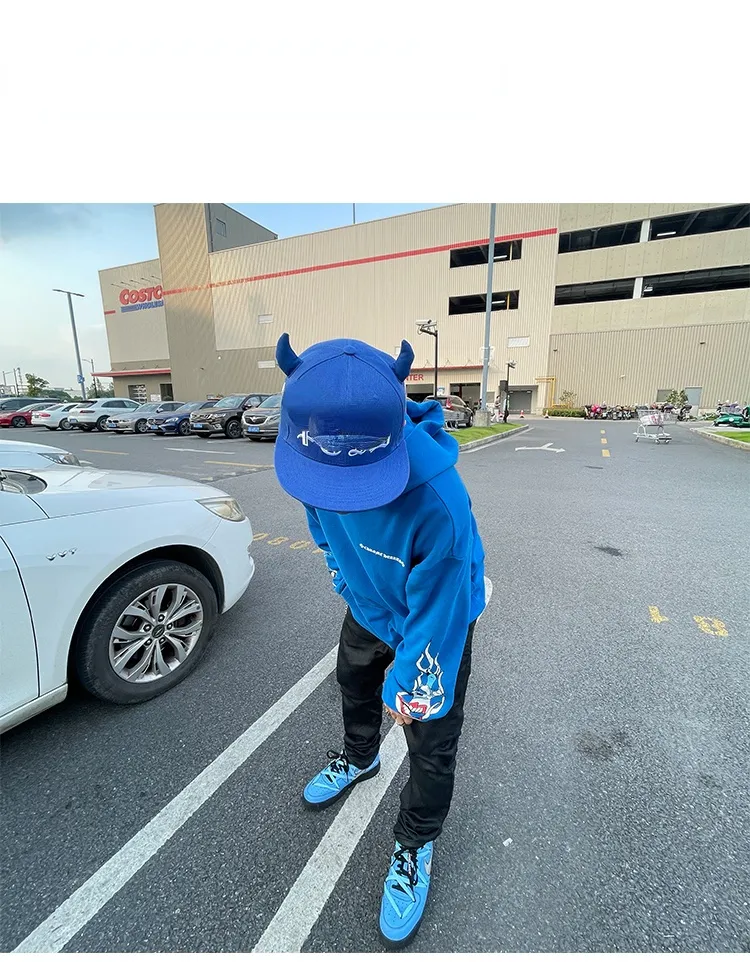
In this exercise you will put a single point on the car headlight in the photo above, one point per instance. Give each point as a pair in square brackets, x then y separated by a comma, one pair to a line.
[66, 458]
[226, 508]
[273, 419]
[170, 420]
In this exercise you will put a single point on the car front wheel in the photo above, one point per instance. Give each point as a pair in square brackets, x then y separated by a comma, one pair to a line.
[65, 425]
[233, 429]
[184, 429]
[146, 632]
[101, 422]
[140, 426]
[18, 423]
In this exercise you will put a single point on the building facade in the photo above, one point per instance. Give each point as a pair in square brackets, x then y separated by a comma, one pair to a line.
[616, 303]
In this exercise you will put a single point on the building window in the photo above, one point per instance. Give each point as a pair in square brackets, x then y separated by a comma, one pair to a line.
[477, 303]
[697, 282]
[469, 256]
[262, 365]
[598, 291]
[592, 238]
[519, 341]
[137, 392]
[700, 222]
[221, 228]
[166, 392]
[265, 318]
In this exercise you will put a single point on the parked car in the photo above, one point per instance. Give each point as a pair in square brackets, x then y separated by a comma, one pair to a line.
[137, 420]
[456, 412]
[14, 403]
[94, 414]
[263, 421]
[24, 454]
[113, 577]
[178, 422]
[55, 416]
[21, 418]
[225, 415]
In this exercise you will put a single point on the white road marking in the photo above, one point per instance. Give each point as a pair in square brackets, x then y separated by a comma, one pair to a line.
[293, 922]
[542, 447]
[503, 437]
[194, 450]
[54, 933]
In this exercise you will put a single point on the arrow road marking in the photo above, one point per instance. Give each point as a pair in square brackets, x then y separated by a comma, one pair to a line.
[543, 447]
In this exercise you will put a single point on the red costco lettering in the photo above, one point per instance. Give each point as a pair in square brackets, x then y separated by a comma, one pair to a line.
[142, 295]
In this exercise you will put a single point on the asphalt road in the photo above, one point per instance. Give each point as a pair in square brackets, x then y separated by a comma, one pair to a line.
[601, 800]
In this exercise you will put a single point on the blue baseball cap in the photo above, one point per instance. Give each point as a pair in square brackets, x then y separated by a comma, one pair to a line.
[341, 435]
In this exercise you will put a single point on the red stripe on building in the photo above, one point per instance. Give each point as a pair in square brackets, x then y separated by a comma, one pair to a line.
[109, 312]
[153, 370]
[376, 258]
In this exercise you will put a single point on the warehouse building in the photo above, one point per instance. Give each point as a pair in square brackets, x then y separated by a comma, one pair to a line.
[615, 303]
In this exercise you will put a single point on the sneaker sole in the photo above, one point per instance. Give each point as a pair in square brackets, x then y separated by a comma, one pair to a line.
[318, 806]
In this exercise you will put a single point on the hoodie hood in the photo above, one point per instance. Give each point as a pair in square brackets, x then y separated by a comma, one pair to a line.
[431, 449]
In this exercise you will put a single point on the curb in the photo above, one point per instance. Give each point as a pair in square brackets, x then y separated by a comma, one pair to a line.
[492, 439]
[742, 445]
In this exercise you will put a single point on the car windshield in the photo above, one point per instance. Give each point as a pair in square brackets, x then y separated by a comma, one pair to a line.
[190, 406]
[52, 407]
[147, 407]
[33, 407]
[271, 402]
[233, 401]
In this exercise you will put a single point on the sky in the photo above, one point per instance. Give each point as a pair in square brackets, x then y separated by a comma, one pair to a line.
[43, 246]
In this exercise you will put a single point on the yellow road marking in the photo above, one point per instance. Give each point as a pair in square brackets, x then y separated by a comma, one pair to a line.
[604, 440]
[605, 453]
[123, 454]
[239, 464]
[711, 626]
[603, 431]
[300, 544]
[656, 616]
[260, 537]
[275, 541]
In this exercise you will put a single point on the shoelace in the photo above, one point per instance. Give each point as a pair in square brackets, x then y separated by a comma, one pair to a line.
[405, 867]
[339, 762]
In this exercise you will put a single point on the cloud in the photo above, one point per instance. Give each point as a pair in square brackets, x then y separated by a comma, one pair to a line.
[20, 221]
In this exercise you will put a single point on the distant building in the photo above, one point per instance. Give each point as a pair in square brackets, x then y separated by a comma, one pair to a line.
[618, 303]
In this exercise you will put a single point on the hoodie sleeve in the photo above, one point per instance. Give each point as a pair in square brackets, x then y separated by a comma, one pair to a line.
[422, 680]
[313, 523]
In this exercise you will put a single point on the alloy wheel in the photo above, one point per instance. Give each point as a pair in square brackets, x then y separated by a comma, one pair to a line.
[156, 633]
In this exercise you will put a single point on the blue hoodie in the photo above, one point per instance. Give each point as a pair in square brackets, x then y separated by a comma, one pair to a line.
[412, 572]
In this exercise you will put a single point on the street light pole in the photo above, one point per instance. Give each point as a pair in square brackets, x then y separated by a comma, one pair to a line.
[90, 360]
[71, 295]
[488, 313]
[508, 366]
[430, 327]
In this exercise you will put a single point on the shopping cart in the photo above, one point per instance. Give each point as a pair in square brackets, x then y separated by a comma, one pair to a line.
[655, 420]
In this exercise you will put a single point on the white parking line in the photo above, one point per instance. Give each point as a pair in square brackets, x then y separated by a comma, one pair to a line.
[194, 450]
[58, 929]
[293, 922]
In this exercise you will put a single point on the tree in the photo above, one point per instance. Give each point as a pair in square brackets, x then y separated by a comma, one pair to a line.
[678, 398]
[35, 385]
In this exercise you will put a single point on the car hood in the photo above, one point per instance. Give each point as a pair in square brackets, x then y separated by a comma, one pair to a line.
[72, 490]
[28, 447]
[197, 415]
[261, 412]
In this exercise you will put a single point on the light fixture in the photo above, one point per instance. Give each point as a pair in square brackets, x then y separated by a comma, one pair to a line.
[647, 290]
[667, 233]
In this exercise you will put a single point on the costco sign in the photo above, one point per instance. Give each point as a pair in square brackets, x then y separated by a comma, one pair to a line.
[142, 299]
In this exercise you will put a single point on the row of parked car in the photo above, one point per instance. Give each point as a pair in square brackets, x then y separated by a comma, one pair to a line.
[254, 416]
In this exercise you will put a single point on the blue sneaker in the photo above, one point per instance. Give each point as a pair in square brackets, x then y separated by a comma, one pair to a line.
[336, 779]
[405, 894]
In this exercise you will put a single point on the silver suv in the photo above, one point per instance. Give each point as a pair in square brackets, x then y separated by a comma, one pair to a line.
[95, 414]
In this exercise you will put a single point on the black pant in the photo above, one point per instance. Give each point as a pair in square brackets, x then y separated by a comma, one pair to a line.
[426, 797]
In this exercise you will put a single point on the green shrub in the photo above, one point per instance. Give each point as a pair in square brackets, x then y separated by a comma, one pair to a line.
[565, 412]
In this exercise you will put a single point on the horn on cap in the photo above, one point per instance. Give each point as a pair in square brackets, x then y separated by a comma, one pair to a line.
[285, 356]
[402, 364]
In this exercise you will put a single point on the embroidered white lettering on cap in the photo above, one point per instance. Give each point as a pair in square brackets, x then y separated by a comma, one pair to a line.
[388, 557]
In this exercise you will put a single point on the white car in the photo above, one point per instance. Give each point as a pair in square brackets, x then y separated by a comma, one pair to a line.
[114, 577]
[88, 415]
[55, 416]
[24, 454]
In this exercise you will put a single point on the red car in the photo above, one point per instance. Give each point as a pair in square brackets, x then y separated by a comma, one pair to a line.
[22, 417]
